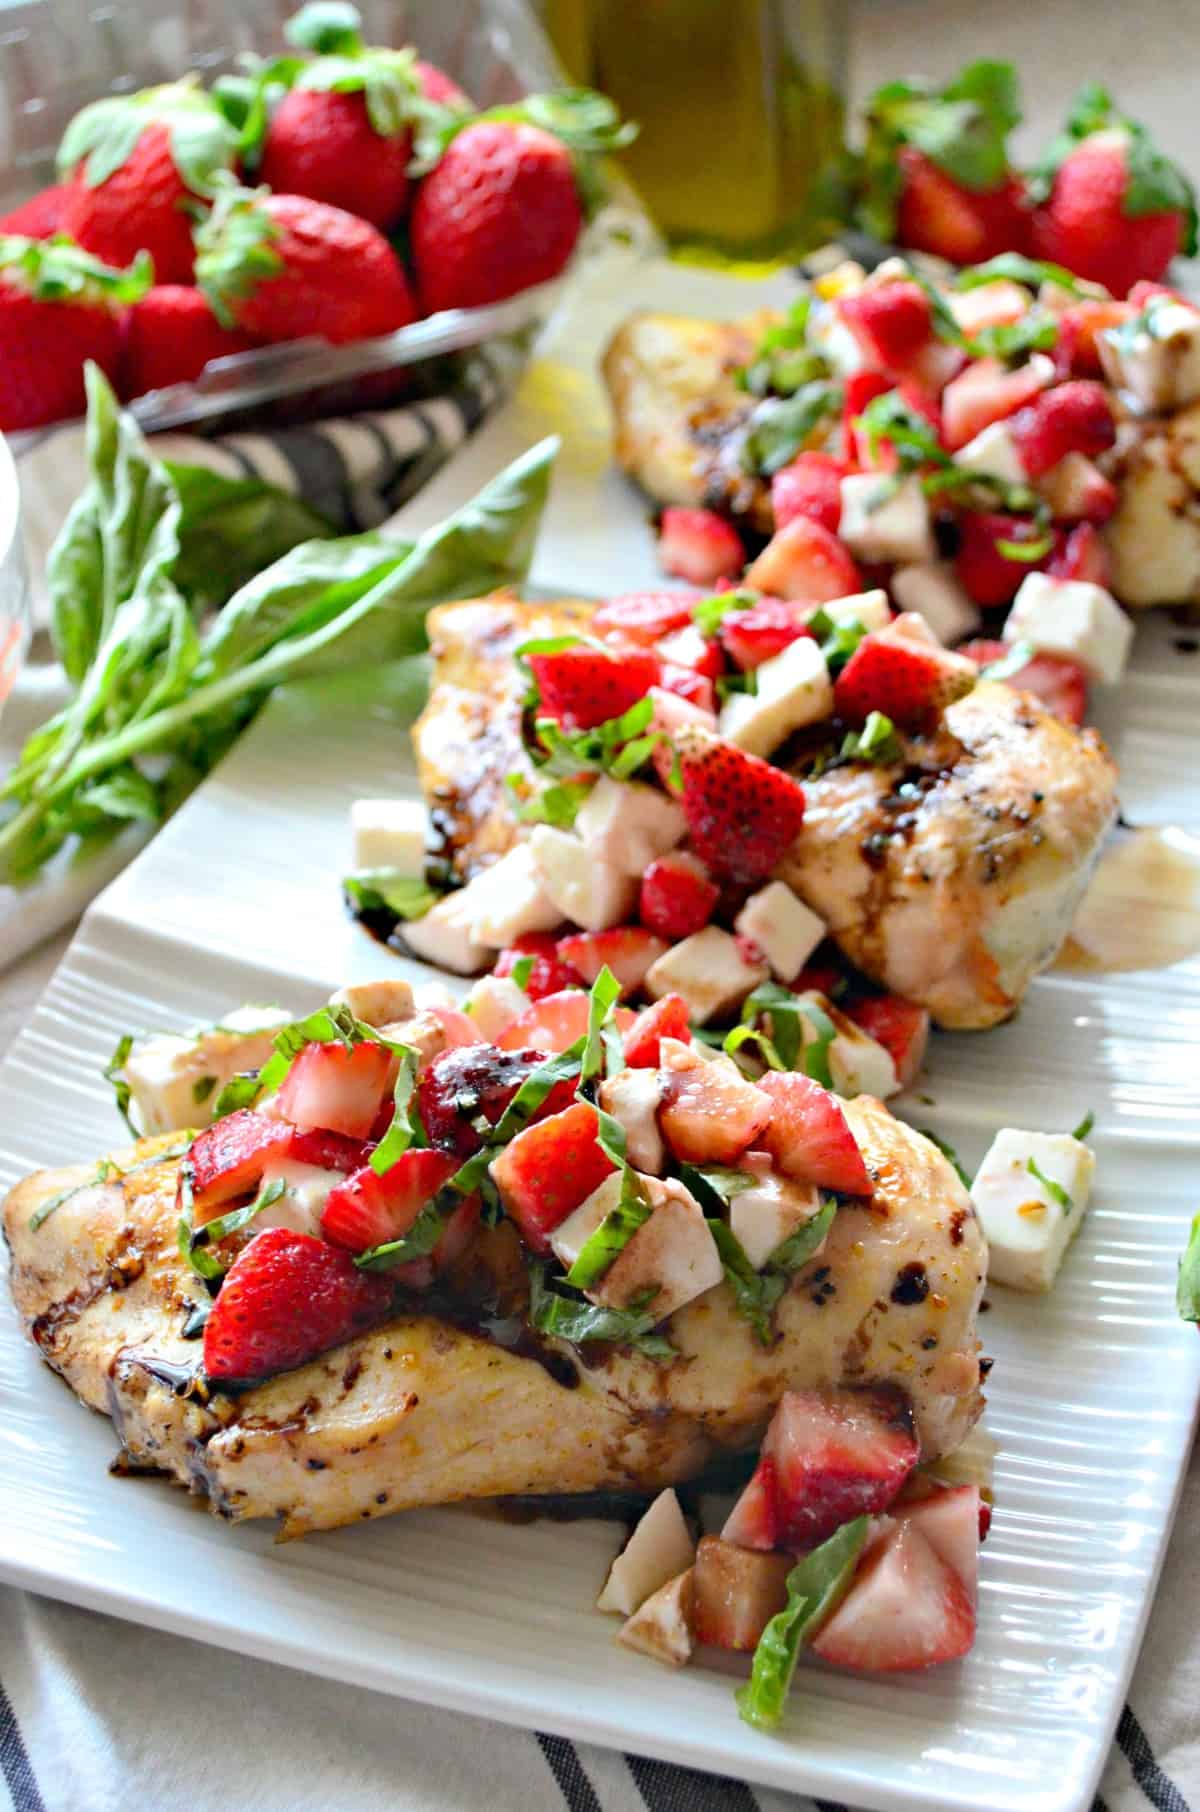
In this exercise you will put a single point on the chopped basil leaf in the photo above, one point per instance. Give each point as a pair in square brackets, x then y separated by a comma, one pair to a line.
[520, 972]
[713, 1185]
[795, 1251]
[729, 683]
[103, 1173]
[573, 759]
[557, 804]
[889, 418]
[787, 1014]
[877, 741]
[602, 1248]
[743, 1035]
[1027, 552]
[421, 1237]
[783, 359]
[1187, 1288]
[202, 1262]
[755, 1293]
[1085, 1126]
[710, 613]
[113, 1072]
[816, 1586]
[1017, 658]
[1032, 272]
[781, 427]
[563, 1066]
[403, 1130]
[237, 1218]
[1011, 340]
[1053, 1189]
[947, 1150]
[328, 1025]
[605, 993]
[202, 1089]
[388, 890]
[838, 640]
[576, 1320]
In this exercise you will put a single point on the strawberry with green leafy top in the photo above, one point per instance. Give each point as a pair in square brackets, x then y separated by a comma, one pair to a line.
[142, 167]
[41, 216]
[170, 336]
[59, 307]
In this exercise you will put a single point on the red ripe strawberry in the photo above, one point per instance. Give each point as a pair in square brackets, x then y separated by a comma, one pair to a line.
[709, 1115]
[628, 950]
[58, 308]
[988, 574]
[1078, 491]
[437, 86]
[372, 1207]
[1075, 417]
[584, 686]
[686, 647]
[900, 1026]
[1077, 351]
[645, 617]
[547, 1170]
[170, 336]
[906, 1609]
[987, 392]
[1059, 683]
[903, 676]
[804, 562]
[676, 897]
[860, 388]
[473, 1080]
[699, 546]
[549, 973]
[41, 216]
[821, 977]
[142, 166]
[337, 1087]
[286, 1298]
[685, 682]
[1081, 553]
[809, 486]
[891, 323]
[498, 213]
[276, 265]
[742, 814]
[229, 1157]
[667, 1018]
[753, 636]
[808, 1137]
[938, 215]
[552, 1024]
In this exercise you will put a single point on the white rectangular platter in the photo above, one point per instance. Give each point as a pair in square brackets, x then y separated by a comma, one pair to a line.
[1093, 1393]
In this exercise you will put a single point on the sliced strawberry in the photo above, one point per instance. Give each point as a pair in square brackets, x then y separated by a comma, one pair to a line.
[900, 1026]
[906, 1609]
[699, 546]
[743, 814]
[1060, 683]
[547, 1170]
[860, 388]
[708, 1115]
[890, 323]
[463, 1084]
[808, 1137]
[645, 616]
[1077, 491]
[908, 680]
[370, 1208]
[628, 950]
[686, 683]
[804, 561]
[996, 304]
[988, 392]
[736, 1593]
[584, 686]
[228, 1158]
[1078, 350]
[758, 634]
[754, 1520]
[809, 486]
[336, 1086]
[988, 574]
[1075, 417]
[286, 1298]
[550, 1025]
[951, 1520]
[549, 974]
[1081, 554]
[667, 1018]
[676, 897]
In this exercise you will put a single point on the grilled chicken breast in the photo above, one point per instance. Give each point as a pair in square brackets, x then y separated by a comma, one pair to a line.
[433, 1409]
[950, 878]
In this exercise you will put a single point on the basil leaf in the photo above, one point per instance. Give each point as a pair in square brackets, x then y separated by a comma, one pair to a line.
[237, 1218]
[557, 804]
[603, 1247]
[563, 1066]
[1187, 1288]
[1085, 1126]
[388, 890]
[1016, 268]
[755, 1293]
[403, 1131]
[579, 1321]
[877, 741]
[781, 427]
[795, 1251]
[710, 613]
[520, 972]
[816, 1586]
[783, 359]
[1027, 552]
[838, 640]
[1017, 658]
[421, 1238]
[788, 1015]
[913, 438]
[713, 1185]
[203, 1263]
[103, 1173]
[742, 1035]
[947, 1150]
[605, 993]
[1011, 340]
[1053, 1189]
[113, 1072]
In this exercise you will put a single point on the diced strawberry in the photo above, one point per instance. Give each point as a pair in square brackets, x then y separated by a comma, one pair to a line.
[686, 683]
[941, 216]
[628, 950]
[1081, 553]
[229, 1157]
[686, 647]
[463, 1084]
[753, 636]
[827, 1457]
[1077, 350]
[1075, 417]
[950, 1520]
[370, 1208]
[549, 974]
[1077, 491]
[808, 1137]
[547, 1170]
[900, 1026]
[555, 1022]
[584, 686]
[708, 1115]
[809, 486]
[671, 714]
[988, 574]
[742, 813]
[1060, 683]
[736, 1593]
[987, 392]
[286, 1298]
[667, 1018]
[909, 681]
[890, 323]
[676, 897]
[996, 304]
[804, 561]
[336, 1086]
[699, 546]
[645, 616]
[860, 388]
[906, 1609]
[820, 978]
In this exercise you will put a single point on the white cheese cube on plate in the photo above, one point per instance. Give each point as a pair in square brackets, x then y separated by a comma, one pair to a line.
[784, 928]
[768, 1211]
[858, 1063]
[1029, 1222]
[885, 520]
[868, 608]
[508, 899]
[592, 894]
[633, 1097]
[627, 824]
[662, 1627]
[389, 833]
[174, 1079]
[710, 972]
[993, 454]
[445, 936]
[793, 689]
[1159, 362]
[934, 592]
[660, 1547]
[1075, 618]
[493, 1003]
[376, 1003]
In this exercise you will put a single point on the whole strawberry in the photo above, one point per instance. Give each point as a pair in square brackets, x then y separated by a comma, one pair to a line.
[1109, 205]
[59, 307]
[170, 336]
[142, 166]
[41, 216]
[282, 267]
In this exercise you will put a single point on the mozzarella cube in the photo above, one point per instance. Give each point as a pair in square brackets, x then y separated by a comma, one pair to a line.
[1071, 486]
[883, 519]
[445, 935]
[988, 304]
[1028, 1228]
[993, 454]
[660, 1547]
[837, 345]
[672, 1253]
[793, 689]
[782, 926]
[377, 1003]
[572, 1235]
[870, 609]
[493, 1003]
[710, 972]
[1075, 618]
[1158, 362]
[508, 899]
[174, 1079]
[934, 592]
[769, 1211]
[592, 894]
[858, 1063]
[627, 824]
[306, 1189]
[662, 1627]
[389, 833]
[633, 1097]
